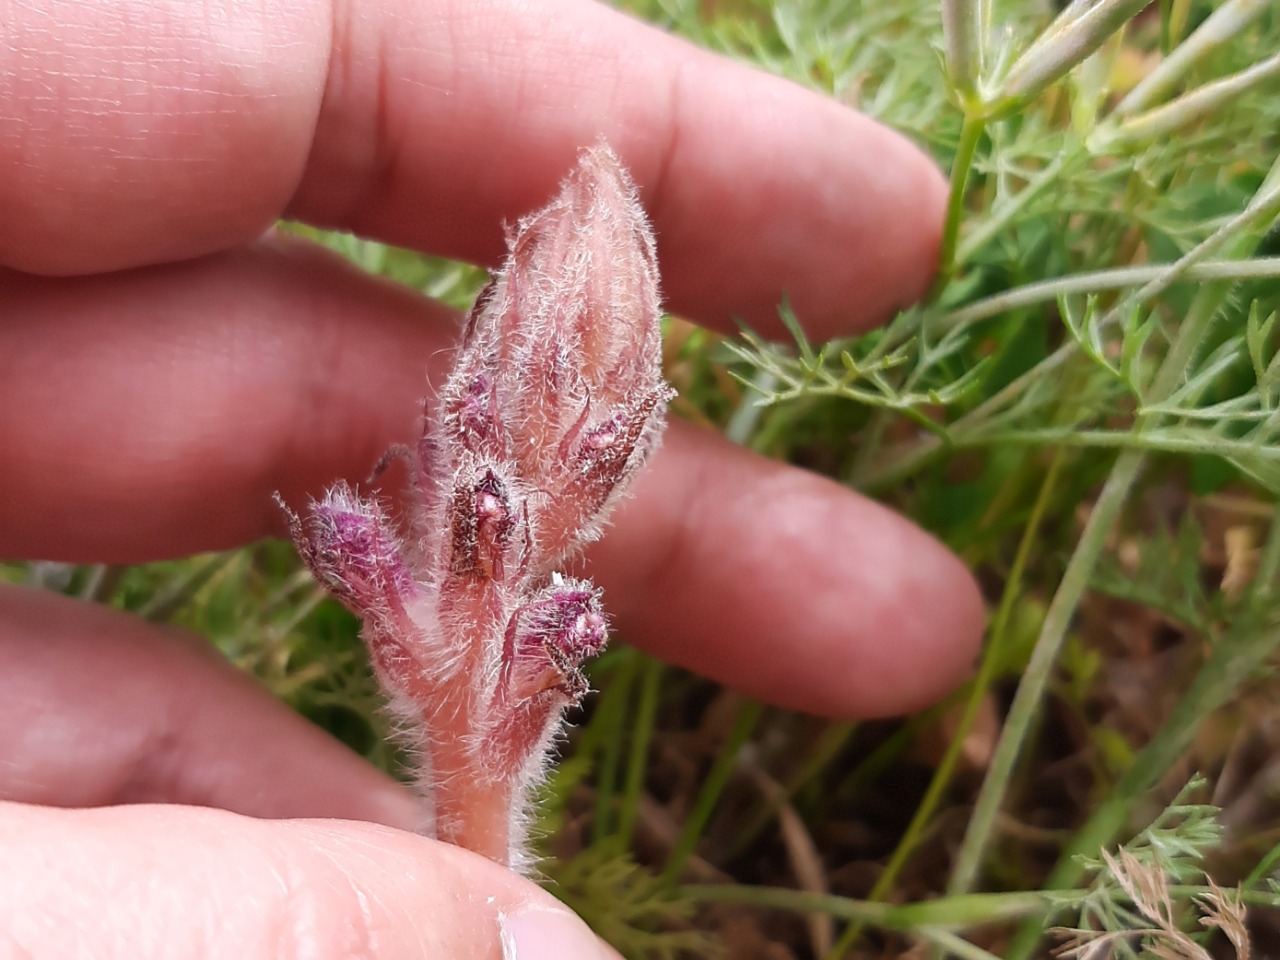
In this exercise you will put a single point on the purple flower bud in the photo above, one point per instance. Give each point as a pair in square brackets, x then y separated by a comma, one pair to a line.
[473, 415]
[560, 371]
[549, 638]
[546, 643]
[352, 549]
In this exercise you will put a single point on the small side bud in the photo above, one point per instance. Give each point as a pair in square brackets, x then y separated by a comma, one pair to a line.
[483, 524]
[606, 455]
[550, 637]
[473, 416]
[547, 641]
[352, 550]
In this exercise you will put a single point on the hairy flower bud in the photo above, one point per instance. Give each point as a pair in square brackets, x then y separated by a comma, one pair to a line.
[560, 370]
[546, 643]
[353, 551]
[554, 402]
[548, 639]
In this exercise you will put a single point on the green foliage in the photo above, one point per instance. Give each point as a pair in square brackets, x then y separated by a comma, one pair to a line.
[637, 912]
[1138, 903]
[1103, 299]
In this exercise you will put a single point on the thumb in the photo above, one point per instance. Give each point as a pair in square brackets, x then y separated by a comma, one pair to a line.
[168, 881]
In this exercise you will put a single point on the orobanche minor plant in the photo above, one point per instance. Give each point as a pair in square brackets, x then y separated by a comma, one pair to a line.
[554, 401]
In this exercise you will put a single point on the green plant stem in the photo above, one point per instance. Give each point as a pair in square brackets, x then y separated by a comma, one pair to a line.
[971, 131]
[1263, 868]
[742, 425]
[816, 760]
[1106, 511]
[641, 737]
[955, 945]
[1173, 23]
[962, 912]
[1068, 41]
[1122, 440]
[101, 583]
[970, 910]
[1156, 756]
[962, 41]
[985, 230]
[1100, 281]
[981, 687]
[1166, 120]
[696, 822]
[1234, 660]
[1262, 209]
[180, 591]
[609, 721]
[1219, 28]
[1035, 679]
[873, 766]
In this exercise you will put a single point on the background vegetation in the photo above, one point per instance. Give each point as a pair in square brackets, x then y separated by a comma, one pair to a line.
[1086, 410]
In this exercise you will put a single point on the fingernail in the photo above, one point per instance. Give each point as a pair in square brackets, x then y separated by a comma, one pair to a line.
[548, 935]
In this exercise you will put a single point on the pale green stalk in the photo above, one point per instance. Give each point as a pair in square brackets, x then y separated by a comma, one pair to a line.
[641, 737]
[1212, 682]
[1026, 702]
[1174, 15]
[1000, 216]
[742, 425]
[980, 689]
[101, 582]
[943, 913]
[1068, 40]
[970, 134]
[1152, 442]
[1261, 210]
[1263, 868]
[1091, 85]
[1221, 26]
[956, 913]
[696, 821]
[608, 724]
[962, 39]
[1099, 281]
[180, 590]
[1193, 106]
[957, 946]
[817, 758]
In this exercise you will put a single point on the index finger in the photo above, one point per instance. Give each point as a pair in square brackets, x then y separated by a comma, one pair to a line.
[136, 133]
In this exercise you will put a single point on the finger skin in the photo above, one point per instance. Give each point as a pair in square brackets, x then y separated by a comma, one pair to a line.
[174, 401]
[154, 881]
[102, 709]
[152, 413]
[135, 133]
[785, 585]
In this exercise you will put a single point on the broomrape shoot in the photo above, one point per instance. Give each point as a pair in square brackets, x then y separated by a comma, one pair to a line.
[555, 399]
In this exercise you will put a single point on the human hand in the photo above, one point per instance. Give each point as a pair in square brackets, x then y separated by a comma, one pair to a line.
[149, 412]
